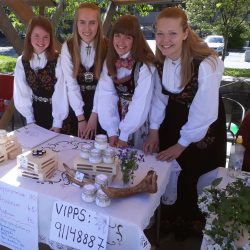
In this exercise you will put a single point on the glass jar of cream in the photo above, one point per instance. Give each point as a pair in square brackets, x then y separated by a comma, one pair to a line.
[85, 151]
[101, 180]
[3, 136]
[88, 193]
[102, 200]
[101, 141]
[108, 156]
[95, 156]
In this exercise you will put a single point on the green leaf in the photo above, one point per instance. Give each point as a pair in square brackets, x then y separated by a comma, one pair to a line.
[216, 182]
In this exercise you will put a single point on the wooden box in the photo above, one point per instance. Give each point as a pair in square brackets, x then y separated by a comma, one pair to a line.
[92, 169]
[9, 149]
[36, 167]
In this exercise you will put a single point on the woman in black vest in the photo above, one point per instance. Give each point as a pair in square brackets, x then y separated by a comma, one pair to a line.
[126, 85]
[82, 58]
[39, 91]
[187, 118]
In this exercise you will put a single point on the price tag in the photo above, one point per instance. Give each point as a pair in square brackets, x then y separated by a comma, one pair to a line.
[78, 227]
[79, 176]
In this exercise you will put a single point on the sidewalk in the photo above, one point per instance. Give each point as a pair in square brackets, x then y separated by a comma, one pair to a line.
[236, 60]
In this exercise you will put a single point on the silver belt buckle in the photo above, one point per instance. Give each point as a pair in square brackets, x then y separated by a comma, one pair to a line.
[88, 77]
[87, 87]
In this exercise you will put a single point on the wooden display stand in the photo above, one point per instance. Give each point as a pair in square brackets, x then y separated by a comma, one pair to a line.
[38, 167]
[91, 169]
[9, 149]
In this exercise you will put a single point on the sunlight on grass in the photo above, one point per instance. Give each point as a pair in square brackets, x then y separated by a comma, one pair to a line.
[237, 72]
[7, 64]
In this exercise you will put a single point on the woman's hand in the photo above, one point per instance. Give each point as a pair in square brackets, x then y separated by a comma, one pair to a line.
[122, 144]
[171, 153]
[113, 140]
[152, 143]
[56, 130]
[90, 131]
[82, 124]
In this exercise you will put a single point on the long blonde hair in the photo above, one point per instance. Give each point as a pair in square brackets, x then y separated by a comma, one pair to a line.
[193, 47]
[141, 52]
[100, 42]
[44, 23]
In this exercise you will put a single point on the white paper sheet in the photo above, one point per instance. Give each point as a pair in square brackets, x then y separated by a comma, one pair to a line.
[18, 218]
[33, 135]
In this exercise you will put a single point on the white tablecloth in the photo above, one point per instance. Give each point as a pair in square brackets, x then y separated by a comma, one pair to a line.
[128, 217]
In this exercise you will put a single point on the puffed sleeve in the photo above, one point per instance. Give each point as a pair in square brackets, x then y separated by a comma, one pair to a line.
[74, 94]
[204, 108]
[60, 104]
[22, 93]
[107, 103]
[139, 106]
[158, 105]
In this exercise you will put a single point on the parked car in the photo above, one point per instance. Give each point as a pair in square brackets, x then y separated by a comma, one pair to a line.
[215, 42]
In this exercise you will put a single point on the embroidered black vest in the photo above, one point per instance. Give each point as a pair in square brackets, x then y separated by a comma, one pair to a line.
[179, 104]
[85, 83]
[186, 96]
[43, 80]
[125, 87]
[86, 79]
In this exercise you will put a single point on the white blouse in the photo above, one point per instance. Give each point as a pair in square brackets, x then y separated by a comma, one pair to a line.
[23, 92]
[138, 108]
[204, 108]
[74, 92]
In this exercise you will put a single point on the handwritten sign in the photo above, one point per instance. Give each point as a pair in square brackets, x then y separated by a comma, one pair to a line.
[18, 218]
[79, 228]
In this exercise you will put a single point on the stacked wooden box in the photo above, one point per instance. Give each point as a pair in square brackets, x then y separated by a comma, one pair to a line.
[40, 167]
[9, 147]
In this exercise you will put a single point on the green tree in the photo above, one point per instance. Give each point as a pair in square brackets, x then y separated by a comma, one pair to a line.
[67, 16]
[222, 17]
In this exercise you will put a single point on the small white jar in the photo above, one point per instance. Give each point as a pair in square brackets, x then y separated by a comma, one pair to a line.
[101, 141]
[95, 156]
[101, 180]
[88, 193]
[102, 200]
[3, 136]
[108, 156]
[85, 151]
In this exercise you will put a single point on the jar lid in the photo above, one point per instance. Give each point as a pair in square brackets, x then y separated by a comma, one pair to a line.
[89, 189]
[101, 138]
[101, 179]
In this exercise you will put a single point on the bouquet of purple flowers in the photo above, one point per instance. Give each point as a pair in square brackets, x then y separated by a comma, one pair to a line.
[129, 159]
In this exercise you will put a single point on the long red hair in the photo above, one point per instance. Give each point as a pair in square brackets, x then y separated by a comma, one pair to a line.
[193, 47]
[44, 23]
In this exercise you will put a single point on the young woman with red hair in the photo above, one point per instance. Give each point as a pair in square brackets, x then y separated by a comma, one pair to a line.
[39, 90]
[187, 118]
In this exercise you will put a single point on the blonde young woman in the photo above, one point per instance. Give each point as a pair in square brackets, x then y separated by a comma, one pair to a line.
[39, 90]
[82, 58]
[126, 85]
[187, 118]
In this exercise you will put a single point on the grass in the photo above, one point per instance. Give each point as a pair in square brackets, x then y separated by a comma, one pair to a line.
[237, 72]
[7, 64]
